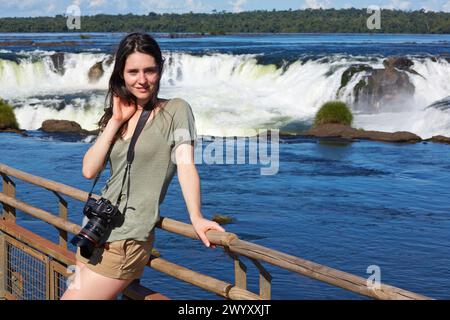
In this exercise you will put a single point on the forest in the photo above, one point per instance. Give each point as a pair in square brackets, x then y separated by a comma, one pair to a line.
[287, 21]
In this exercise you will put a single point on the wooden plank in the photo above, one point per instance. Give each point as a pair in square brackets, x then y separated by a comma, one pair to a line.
[37, 242]
[137, 292]
[17, 285]
[63, 215]
[265, 280]
[208, 283]
[9, 296]
[45, 183]
[2, 266]
[41, 214]
[240, 270]
[9, 189]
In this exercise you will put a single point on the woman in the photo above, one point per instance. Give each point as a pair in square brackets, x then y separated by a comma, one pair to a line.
[167, 137]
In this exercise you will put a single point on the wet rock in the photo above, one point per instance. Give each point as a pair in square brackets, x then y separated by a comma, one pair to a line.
[16, 43]
[61, 126]
[333, 130]
[221, 219]
[388, 89]
[440, 139]
[58, 62]
[108, 61]
[56, 44]
[401, 63]
[18, 131]
[383, 90]
[65, 126]
[95, 72]
[351, 71]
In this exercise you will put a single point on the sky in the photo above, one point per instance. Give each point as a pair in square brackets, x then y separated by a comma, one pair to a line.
[34, 8]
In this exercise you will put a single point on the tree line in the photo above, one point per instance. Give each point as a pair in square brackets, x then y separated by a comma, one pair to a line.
[261, 21]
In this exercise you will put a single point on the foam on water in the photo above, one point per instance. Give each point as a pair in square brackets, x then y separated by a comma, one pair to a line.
[230, 94]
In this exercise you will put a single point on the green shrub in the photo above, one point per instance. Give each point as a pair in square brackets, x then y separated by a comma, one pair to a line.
[334, 112]
[7, 117]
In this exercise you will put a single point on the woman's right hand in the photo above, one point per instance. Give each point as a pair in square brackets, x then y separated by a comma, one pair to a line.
[122, 111]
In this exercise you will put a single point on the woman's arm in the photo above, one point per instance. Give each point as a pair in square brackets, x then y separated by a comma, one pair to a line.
[190, 186]
[95, 157]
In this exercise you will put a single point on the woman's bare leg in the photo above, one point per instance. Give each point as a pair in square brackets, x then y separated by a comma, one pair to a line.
[89, 285]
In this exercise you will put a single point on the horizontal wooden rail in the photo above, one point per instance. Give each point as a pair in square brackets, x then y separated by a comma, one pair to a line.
[229, 240]
[219, 287]
[320, 272]
[45, 183]
[304, 267]
[56, 221]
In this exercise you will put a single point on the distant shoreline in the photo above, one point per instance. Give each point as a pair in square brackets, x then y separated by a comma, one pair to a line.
[277, 22]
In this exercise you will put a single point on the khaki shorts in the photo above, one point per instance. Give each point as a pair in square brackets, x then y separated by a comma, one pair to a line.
[123, 259]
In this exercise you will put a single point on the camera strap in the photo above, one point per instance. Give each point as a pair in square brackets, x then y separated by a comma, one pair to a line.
[130, 154]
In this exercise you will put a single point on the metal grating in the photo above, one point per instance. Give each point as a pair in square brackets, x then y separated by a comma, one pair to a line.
[26, 272]
[59, 280]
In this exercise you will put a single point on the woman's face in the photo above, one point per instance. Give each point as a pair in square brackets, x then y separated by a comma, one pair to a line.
[141, 75]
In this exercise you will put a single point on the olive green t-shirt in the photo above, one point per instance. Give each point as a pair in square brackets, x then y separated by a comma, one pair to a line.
[151, 171]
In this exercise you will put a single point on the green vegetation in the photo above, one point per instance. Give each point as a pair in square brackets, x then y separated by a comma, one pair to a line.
[333, 112]
[217, 23]
[155, 253]
[7, 117]
[351, 71]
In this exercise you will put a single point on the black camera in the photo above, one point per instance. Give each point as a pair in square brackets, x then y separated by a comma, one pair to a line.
[101, 214]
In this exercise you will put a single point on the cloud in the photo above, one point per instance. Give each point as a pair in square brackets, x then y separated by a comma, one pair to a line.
[121, 4]
[197, 6]
[446, 7]
[237, 5]
[96, 3]
[51, 8]
[316, 4]
[398, 5]
[22, 5]
[157, 5]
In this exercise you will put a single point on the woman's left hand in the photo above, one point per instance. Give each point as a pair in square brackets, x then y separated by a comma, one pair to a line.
[202, 225]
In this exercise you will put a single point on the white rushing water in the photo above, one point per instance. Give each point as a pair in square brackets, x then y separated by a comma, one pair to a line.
[230, 94]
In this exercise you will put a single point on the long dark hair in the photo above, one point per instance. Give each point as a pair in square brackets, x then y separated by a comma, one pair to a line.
[133, 42]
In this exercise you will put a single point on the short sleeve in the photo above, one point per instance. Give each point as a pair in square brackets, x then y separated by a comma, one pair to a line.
[184, 130]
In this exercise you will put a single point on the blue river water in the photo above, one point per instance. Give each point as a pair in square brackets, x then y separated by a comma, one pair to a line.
[349, 206]
[278, 45]
[344, 205]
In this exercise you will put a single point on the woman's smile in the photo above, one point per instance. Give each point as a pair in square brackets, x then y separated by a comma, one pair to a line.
[141, 75]
[143, 89]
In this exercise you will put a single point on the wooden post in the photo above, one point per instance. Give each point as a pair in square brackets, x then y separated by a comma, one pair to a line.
[63, 215]
[2, 266]
[240, 271]
[9, 189]
[264, 281]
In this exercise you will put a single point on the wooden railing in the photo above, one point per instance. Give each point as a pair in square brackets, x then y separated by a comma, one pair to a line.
[229, 241]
